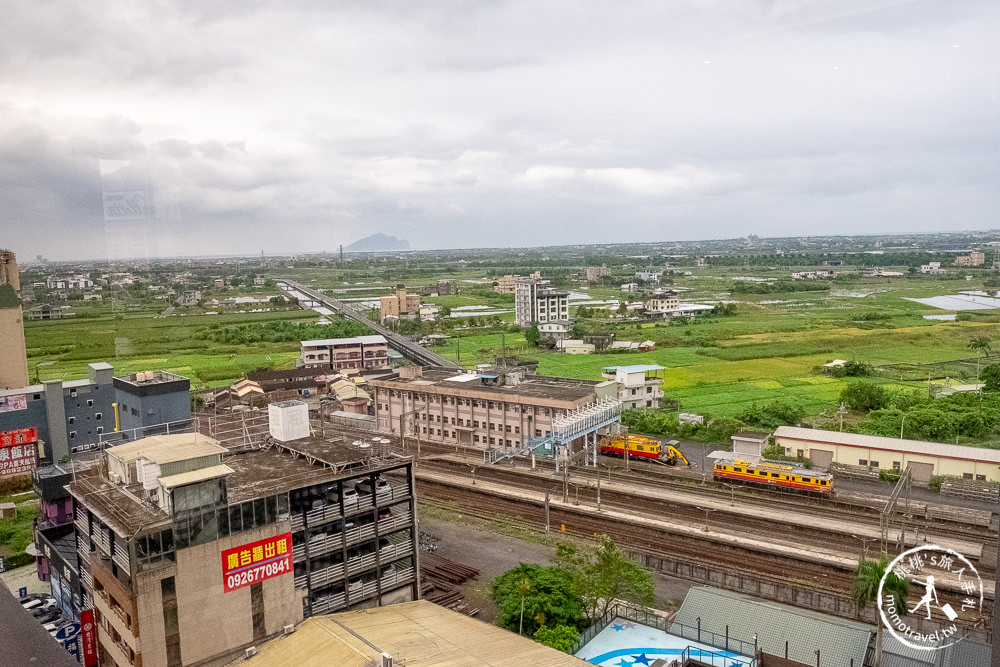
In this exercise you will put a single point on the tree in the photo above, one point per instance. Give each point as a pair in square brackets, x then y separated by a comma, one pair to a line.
[981, 346]
[531, 335]
[864, 396]
[559, 637]
[605, 576]
[546, 595]
[864, 591]
[990, 377]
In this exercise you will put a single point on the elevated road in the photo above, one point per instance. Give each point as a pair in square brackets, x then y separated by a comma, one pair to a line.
[401, 344]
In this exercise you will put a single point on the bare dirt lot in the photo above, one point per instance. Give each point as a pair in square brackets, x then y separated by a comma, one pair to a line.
[495, 548]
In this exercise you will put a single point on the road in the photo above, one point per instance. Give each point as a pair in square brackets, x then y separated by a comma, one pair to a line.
[401, 344]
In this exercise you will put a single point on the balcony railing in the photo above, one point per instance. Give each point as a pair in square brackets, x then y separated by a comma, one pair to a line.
[328, 513]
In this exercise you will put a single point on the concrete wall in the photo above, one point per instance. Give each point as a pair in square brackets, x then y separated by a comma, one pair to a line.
[212, 622]
[458, 414]
[13, 355]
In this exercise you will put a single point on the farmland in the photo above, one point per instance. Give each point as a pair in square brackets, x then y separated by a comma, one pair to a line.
[768, 350]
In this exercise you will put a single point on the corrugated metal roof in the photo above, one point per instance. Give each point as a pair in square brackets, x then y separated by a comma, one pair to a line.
[192, 476]
[366, 340]
[889, 444]
[167, 448]
[838, 640]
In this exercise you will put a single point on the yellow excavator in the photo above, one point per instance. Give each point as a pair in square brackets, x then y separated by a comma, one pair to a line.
[672, 455]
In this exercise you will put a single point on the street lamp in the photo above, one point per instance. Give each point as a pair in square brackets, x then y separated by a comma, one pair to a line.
[864, 543]
[732, 488]
[901, 424]
[706, 510]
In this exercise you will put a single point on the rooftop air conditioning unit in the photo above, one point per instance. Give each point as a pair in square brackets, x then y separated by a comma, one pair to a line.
[289, 629]
[115, 478]
[251, 652]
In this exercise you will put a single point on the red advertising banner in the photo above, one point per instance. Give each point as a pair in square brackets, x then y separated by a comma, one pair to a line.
[88, 638]
[250, 563]
[17, 452]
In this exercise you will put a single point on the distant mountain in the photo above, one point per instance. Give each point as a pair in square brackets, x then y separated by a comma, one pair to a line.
[378, 242]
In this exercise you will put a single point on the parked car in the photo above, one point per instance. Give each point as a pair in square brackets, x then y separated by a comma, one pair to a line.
[54, 624]
[35, 600]
[381, 486]
[43, 608]
[350, 497]
[47, 614]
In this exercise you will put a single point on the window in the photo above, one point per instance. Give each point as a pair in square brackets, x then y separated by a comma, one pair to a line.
[895, 465]
[966, 475]
[801, 453]
[100, 429]
[874, 464]
[862, 462]
[774, 474]
[72, 420]
[97, 416]
[737, 469]
[72, 435]
[90, 403]
[981, 478]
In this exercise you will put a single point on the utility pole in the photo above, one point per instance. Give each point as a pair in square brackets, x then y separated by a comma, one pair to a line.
[546, 512]
[598, 490]
[566, 480]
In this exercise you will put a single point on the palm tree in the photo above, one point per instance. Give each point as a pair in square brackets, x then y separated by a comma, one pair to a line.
[981, 346]
[864, 591]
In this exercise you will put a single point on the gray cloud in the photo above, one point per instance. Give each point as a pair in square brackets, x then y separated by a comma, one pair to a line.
[308, 124]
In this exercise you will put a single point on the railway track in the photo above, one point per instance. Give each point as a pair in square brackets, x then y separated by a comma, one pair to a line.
[825, 510]
[699, 550]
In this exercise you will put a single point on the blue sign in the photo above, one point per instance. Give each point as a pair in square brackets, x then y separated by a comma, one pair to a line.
[67, 632]
[305, 393]
[22, 591]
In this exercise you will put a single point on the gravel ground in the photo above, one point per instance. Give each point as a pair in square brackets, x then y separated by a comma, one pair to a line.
[493, 554]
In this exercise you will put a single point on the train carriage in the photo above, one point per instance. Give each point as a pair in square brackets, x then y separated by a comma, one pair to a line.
[774, 473]
[643, 447]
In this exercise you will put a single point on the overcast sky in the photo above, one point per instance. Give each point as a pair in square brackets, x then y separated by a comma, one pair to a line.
[295, 126]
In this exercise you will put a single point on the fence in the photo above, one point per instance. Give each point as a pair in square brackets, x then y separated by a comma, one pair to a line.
[649, 618]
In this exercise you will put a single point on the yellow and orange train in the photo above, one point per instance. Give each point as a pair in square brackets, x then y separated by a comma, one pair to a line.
[774, 473]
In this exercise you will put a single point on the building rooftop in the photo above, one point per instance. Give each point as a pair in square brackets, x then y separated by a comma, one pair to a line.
[890, 444]
[365, 340]
[118, 507]
[532, 386]
[193, 476]
[257, 473]
[838, 640]
[635, 368]
[150, 377]
[168, 448]
[417, 634]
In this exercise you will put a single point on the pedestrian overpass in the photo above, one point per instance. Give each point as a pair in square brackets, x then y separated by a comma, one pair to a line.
[583, 422]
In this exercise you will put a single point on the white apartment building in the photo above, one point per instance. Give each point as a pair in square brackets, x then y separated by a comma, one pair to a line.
[663, 302]
[535, 302]
[639, 386]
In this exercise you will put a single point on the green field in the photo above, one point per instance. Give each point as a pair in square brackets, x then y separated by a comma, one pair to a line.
[61, 349]
[718, 366]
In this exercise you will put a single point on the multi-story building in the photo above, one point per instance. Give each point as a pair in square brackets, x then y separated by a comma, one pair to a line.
[535, 302]
[639, 386]
[13, 353]
[73, 417]
[931, 267]
[505, 284]
[487, 410]
[974, 258]
[360, 352]
[441, 288]
[663, 303]
[400, 305]
[189, 553]
[648, 276]
[595, 273]
[556, 330]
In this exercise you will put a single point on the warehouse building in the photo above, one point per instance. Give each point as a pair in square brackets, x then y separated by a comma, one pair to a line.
[925, 459]
[175, 533]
